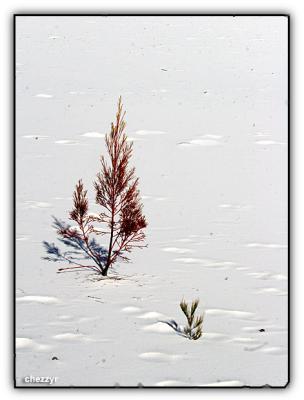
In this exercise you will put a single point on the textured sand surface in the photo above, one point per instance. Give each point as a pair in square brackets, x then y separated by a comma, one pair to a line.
[206, 102]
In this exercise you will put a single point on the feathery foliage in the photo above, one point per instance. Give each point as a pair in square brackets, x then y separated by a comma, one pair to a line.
[195, 324]
[120, 217]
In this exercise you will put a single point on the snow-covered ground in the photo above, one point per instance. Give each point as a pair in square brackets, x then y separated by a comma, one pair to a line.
[206, 101]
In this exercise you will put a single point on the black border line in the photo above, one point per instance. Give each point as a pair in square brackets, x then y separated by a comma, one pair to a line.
[289, 217]
[151, 15]
[15, 15]
[14, 200]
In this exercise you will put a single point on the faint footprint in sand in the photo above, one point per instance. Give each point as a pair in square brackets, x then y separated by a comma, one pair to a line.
[262, 134]
[255, 347]
[93, 135]
[66, 320]
[177, 250]
[30, 344]
[149, 133]
[69, 336]
[266, 275]
[158, 327]
[271, 350]
[246, 340]
[44, 95]
[160, 357]
[203, 141]
[272, 291]
[22, 238]
[190, 260]
[243, 268]
[37, 204]
[266, 245]
[234, 206]
[37, 299]
[206, 263]
[67, 142]
[151, 315]
[72, 337]
[131, 310]
[275, 350]
[269, 143]
[243, 315]
[185, 240]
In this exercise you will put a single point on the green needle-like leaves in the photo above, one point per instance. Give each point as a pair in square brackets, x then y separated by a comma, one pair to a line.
[194, 328]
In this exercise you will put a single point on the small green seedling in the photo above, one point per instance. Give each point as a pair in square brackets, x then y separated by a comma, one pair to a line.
[193, 330]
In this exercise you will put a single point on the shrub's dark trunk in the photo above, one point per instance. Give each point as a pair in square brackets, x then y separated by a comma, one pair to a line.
[108, 263]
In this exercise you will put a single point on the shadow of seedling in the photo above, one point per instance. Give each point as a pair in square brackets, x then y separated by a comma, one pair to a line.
[194, 328]
[77, 253]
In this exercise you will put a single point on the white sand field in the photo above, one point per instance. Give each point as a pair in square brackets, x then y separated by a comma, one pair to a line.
[206, 101]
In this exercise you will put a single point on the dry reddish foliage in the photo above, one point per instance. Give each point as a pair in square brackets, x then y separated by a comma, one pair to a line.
[117, 193]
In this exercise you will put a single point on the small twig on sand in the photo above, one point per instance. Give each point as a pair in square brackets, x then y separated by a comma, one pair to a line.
[98, 299]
